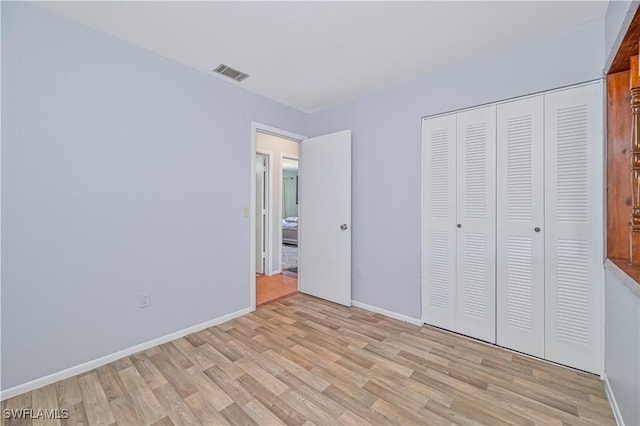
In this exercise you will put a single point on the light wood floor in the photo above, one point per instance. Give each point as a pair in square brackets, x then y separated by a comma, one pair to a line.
[301, 360]
[275, 287]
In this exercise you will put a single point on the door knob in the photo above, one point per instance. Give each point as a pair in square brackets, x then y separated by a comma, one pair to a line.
[344, 226]
[459, 225]
[536, 229]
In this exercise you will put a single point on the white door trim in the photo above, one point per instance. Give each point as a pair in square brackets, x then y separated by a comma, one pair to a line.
[268, 270]
[263, 128]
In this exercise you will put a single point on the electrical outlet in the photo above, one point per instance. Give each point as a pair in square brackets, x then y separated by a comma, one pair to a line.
[145, 300]
[360, 272]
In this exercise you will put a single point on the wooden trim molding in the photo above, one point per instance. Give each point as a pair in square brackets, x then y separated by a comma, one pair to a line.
[623, 149]
[634, 85]
[618, 166]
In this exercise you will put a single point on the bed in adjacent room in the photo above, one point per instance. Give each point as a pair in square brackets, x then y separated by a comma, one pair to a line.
[290, 230]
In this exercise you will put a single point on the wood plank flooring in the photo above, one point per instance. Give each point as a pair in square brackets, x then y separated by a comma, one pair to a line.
[305, 361]
[275, 287]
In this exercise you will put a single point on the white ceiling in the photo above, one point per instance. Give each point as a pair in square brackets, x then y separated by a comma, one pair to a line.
[312, 55]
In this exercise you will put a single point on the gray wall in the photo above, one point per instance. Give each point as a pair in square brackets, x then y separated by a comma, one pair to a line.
[387, 149]
[122, 172]
[622, 342]
[617, 20]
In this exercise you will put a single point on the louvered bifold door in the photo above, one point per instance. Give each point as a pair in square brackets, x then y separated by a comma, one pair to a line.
[438, 222]
[573, 217]
[520, 226]
[476, 223]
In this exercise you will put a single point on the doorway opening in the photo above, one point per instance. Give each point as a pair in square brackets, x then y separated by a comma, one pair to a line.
[275, 215]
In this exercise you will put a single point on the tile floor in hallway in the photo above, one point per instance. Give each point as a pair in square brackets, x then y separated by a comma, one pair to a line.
[275, 287]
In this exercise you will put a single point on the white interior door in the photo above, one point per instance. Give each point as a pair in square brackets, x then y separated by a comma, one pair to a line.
[439, 221]
[574, 229]
[520, 226]
[325, 217]
[476, 217]
[261, 212]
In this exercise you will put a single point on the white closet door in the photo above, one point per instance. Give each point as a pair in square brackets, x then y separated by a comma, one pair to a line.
[476, 217]
[439, 225]
[573, 218]
[520, 226]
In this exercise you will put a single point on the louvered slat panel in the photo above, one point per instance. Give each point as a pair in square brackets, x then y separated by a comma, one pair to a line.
[519, 283]
[475, 178]
[520, 250]
[573, 218]
[572, 190]
[572, 291]
[438, 223]
[439, 173]
[475, 272]
[519, 173]
[475, 268]
[439, 279]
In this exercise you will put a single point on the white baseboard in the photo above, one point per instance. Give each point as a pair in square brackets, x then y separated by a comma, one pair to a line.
[390, 314]
[612, 401]
[90, 365]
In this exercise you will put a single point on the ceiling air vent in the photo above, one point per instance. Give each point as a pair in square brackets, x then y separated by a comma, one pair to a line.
[227, 71]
